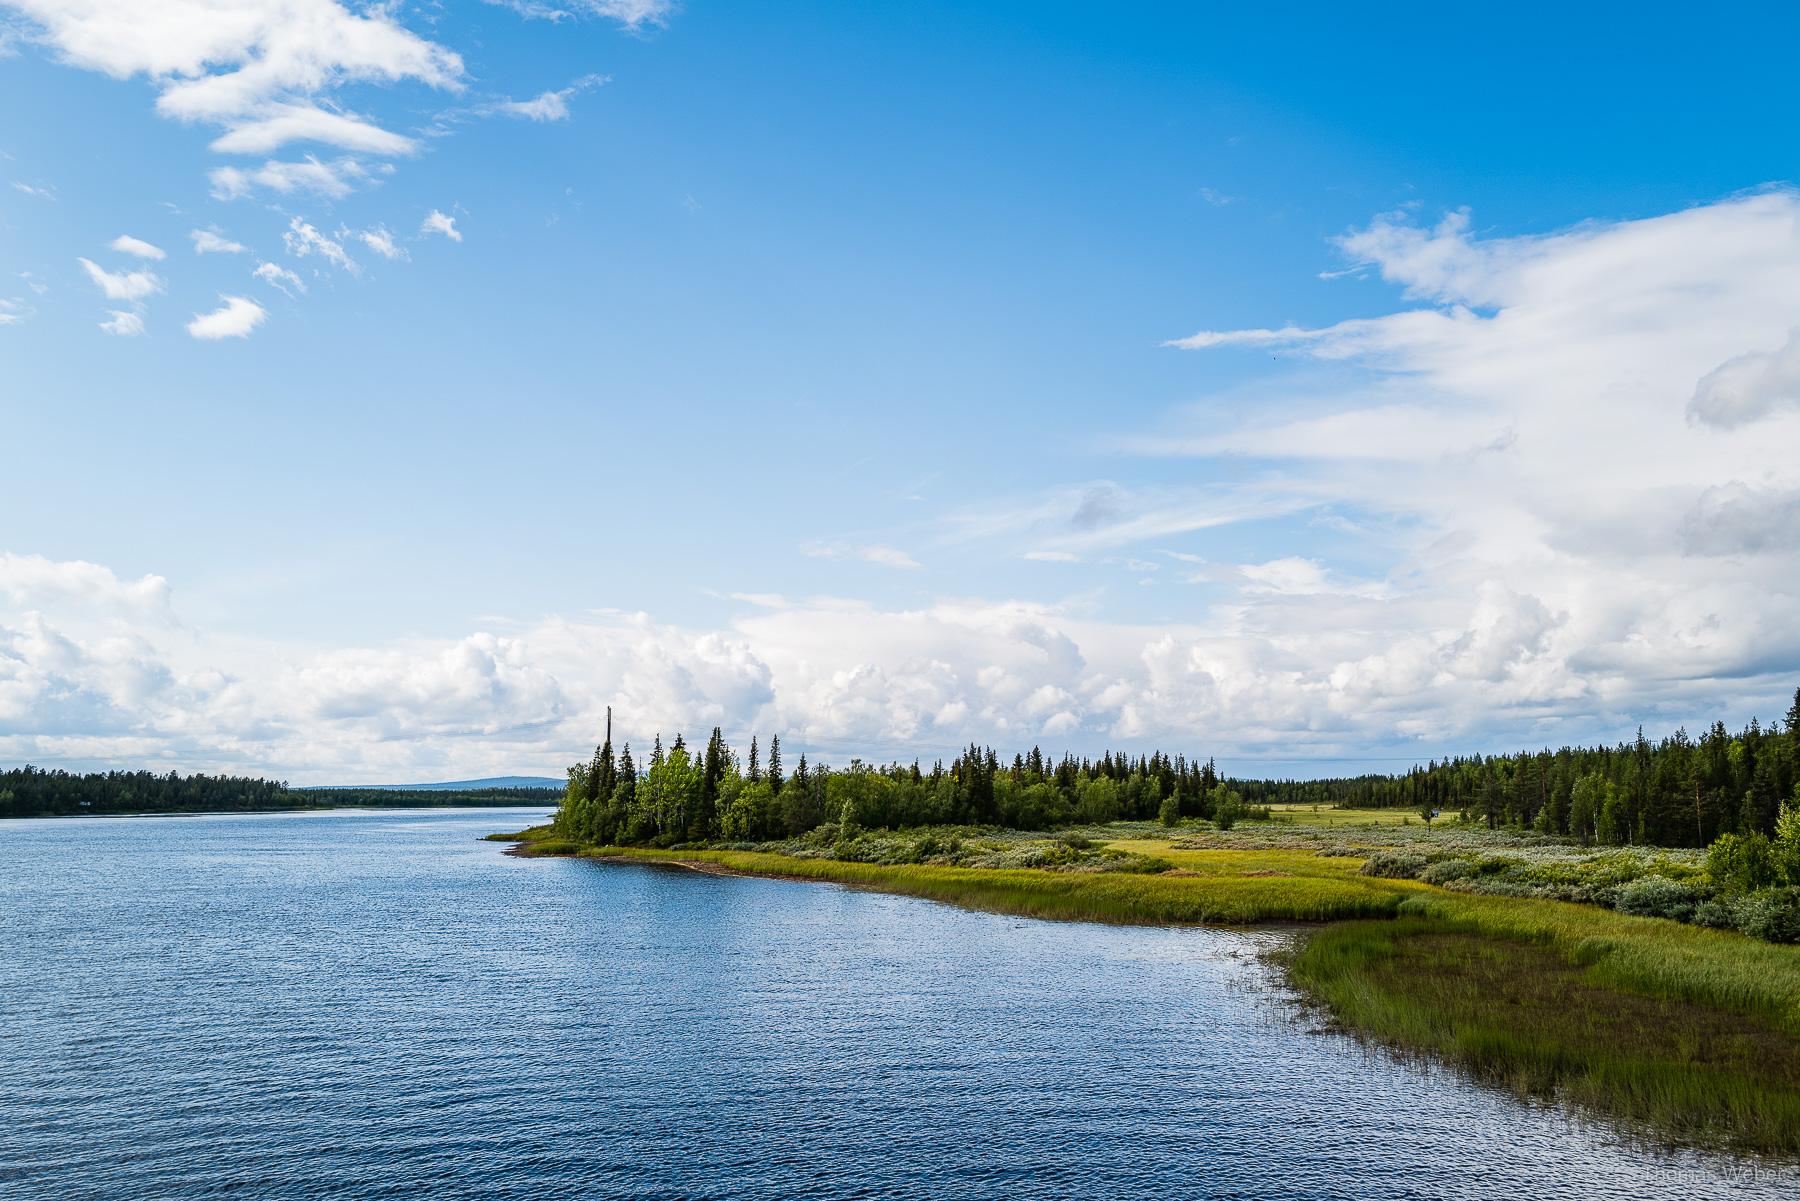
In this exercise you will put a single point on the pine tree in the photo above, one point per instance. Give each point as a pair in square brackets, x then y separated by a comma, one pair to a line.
[775, 780]
[602, 776]
[754, 774]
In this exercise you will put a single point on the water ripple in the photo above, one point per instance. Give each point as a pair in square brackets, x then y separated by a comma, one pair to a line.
[365, 1006]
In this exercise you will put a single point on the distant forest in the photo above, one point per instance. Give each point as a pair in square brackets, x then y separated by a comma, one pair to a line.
[1680, 791]
[36, 792]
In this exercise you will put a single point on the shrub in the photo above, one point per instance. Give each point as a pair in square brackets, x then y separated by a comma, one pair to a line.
[1771, 914]
[1656, 896]
[1741, 862]
[1446, 870]
[1718, 912]
[1394, 865]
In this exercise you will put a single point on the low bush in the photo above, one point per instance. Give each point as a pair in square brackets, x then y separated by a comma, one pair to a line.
[1395, 865]
[1657, 896]
[1446, 870]
[1771, 914]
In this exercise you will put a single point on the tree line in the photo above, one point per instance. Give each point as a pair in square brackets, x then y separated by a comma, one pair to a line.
[683, 795]
[39, 792]
[1678, 791]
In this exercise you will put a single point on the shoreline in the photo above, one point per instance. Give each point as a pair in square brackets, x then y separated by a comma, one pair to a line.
[40, 817]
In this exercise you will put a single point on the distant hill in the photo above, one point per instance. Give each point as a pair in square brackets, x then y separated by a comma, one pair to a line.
[453, 785]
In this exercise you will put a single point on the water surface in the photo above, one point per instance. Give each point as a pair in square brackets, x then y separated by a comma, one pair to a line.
[350, 1005]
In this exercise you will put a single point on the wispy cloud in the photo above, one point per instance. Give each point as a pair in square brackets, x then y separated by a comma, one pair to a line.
[547, 106]
[137, 247]
[123, 324]
[211, 241]
[876, 553]
[279, 278]
[121, 285]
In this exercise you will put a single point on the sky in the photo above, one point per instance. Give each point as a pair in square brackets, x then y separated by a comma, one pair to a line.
[385, 390]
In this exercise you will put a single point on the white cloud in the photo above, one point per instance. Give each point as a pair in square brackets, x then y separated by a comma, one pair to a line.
[440, 223]
[261, 69]
[881, 556]
[333, 180]
[632, 14]
[33, 581]
[234, 319]
[547, 106]
[279, 278]
[286, 123]
[121, 285]
[211, 241]
[302, 239]
[1749, 387]
[1052, 556]
[42, 193]
[124, 324]
[380, 241]
[1589, 432]
[126, 244]
[13, 312]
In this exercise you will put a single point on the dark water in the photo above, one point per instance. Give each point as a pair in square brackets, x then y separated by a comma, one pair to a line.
[378, 1005]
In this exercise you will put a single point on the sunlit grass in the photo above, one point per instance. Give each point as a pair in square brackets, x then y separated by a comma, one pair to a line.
[1223, 897]
[1329, 818]
[1705, 1054]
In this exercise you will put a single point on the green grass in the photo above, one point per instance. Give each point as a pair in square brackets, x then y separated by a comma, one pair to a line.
[1688, 1033]
[1221, 898]
[1541, 1019]
[1329, 818]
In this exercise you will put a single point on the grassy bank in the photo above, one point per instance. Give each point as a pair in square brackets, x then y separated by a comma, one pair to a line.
[1690, 1034]
[1531, 1016]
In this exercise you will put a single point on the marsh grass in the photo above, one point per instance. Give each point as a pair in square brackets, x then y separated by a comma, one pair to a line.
[1219, 898]
[1554, 1018]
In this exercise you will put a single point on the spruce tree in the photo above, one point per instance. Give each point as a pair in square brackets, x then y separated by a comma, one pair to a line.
[775, 762]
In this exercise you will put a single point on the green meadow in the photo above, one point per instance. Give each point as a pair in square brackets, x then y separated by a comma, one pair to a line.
[1681, 1033]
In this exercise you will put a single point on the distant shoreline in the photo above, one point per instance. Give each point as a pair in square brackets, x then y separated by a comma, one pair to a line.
[346, 807]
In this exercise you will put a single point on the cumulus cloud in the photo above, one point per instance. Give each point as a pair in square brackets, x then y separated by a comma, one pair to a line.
[1588, 431]
[211, 241]
[123, 323]
[261, 69]
[126, 244]
[440, 223]
[121, 285]
[233, 319]
[1749, 387]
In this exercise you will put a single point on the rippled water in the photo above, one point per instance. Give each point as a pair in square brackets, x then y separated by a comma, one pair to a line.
[378, 1005]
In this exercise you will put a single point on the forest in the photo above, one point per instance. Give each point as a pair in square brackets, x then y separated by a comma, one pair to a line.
[38, 792]
[1679, 791]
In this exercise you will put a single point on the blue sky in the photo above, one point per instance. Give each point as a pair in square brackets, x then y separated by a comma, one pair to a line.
[812, 368]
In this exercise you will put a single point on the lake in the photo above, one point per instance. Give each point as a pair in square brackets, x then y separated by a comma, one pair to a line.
[377, 1004]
